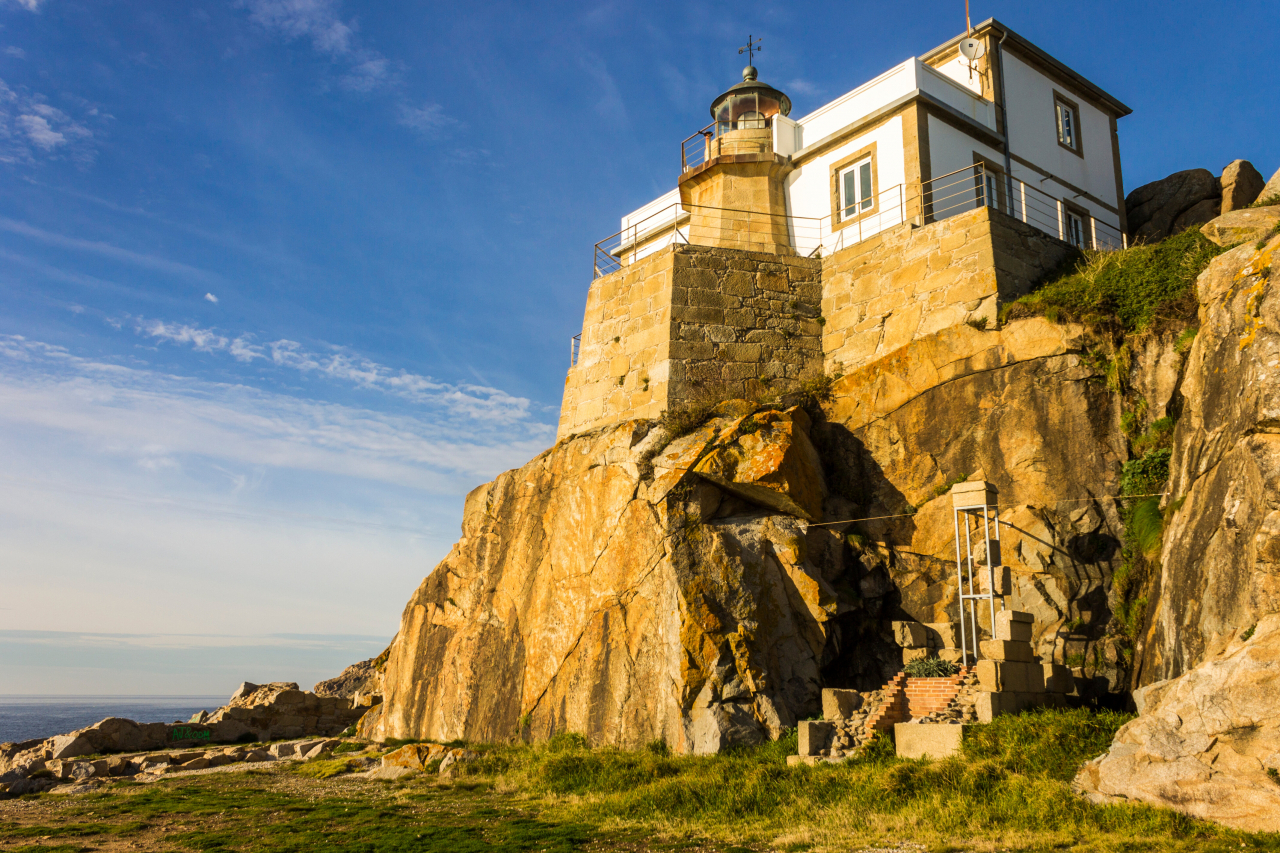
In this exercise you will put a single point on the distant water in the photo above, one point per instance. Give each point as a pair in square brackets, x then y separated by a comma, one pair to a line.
[29, 717]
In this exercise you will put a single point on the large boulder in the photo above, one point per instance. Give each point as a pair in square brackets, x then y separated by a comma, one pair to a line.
[1156, 210]
[1220, 560]
[606, 589]
[280, 710]
[1271, 190]
[1242, 226]
[768, 459]
[1241, 185]
[361, 683]
[1207, 743]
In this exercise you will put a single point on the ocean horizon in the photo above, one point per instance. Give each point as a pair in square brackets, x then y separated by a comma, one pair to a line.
[27, 717]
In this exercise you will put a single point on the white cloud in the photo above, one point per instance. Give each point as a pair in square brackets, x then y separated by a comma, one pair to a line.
[209, 297]
[343, 365]
[316, 20]
[40, 133]
[800, 86]
[429, 119]
[467, 434]
[29, 5]
[15, 52]
[319, 22]
[30, 128]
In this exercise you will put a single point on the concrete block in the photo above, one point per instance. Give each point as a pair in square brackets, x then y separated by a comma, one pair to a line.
[992, 705]
[1007, 629]
[1058, 678]
[1002, 676]
[1006, 650]
[931, 740]
[978, 493]
[910, 635]
[839, 705]
[1034, 676]
[814, 736]
[942, 635]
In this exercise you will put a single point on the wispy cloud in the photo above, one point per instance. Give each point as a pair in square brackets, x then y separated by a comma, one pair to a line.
[15, 52]
[800, 86]
[320, 22]
[610, 105]
[29, 5]
[342, 365]
[156, 418]
[209, 297]
[104, 249]
[429, 119]
[32, 129]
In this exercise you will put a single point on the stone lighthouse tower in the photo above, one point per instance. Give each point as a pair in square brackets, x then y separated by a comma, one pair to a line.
[733, 186]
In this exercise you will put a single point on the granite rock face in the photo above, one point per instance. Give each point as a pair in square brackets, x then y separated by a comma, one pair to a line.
[1221, 553]
[1154, 209]
[1023, 409]
[1205, 741]
[607, 589]
[1241, 185]
[1241, 226]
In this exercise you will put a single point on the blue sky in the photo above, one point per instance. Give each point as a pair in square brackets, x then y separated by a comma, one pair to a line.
[282, 280]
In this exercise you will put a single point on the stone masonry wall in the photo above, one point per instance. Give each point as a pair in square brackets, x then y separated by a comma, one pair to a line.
[743, 324]
[908, 282]
[693, 323]
[622, 359]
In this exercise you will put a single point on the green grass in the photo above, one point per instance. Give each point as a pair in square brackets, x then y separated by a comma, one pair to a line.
[1008, 791]
[1130, 289]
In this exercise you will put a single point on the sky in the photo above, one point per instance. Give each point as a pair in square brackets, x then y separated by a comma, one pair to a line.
[282, 280]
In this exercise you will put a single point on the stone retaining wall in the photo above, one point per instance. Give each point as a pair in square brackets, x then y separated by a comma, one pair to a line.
[908, 282]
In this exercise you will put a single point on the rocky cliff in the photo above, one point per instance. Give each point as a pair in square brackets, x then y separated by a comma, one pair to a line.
[701, 589]
[699, 580]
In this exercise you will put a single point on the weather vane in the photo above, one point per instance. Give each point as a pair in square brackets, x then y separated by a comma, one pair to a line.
[751, 49]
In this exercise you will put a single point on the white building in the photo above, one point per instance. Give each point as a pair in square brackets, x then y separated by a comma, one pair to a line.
[934, 136]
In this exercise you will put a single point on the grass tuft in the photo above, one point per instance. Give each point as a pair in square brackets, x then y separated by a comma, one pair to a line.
[930, 668]
[1130, 288]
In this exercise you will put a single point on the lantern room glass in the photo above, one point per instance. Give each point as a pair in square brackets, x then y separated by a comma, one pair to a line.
[747, 110]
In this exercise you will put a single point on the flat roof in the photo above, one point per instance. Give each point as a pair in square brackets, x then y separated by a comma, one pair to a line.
[1079, 80]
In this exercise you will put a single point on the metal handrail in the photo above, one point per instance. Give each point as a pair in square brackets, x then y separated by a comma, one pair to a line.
[711, 138]
[806, 233]
[575, 349]
[936, 199]
[966, 189]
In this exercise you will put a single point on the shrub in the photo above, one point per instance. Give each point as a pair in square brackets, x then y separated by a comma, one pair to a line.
[1146, 474]
[1130, 288]
[1146, 527]
[930, 668]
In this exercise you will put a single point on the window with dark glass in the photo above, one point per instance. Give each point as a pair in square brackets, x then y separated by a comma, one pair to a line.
[855, 189]
[1068, 125]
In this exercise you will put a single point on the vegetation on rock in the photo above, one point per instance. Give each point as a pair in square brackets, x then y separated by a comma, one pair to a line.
[1129, 290]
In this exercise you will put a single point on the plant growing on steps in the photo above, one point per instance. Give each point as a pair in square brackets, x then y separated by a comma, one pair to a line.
[930, 668]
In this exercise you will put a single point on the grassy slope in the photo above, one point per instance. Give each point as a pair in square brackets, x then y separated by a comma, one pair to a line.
[1009, 792]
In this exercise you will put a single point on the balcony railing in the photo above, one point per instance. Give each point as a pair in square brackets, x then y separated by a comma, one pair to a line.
[707, 226]
[712, 142]
[976, 186]
[940, 198]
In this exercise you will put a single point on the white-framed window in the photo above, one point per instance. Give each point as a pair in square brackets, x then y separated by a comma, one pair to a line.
[1068, 118]
[856, 194]
[1076, 233]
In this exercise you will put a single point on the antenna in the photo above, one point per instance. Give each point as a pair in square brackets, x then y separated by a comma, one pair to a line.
[972, 49]
[968, 27]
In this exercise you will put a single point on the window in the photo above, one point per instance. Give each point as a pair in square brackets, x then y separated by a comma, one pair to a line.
[989, 190]
[1075, 229]
[1066, 114]
[856, 194]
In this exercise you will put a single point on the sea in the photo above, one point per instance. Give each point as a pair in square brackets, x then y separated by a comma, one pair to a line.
[29, 717]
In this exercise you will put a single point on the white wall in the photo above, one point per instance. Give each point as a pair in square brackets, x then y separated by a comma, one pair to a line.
[957, 68]
[864, 100]
[1033, 133]
[808, 188]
